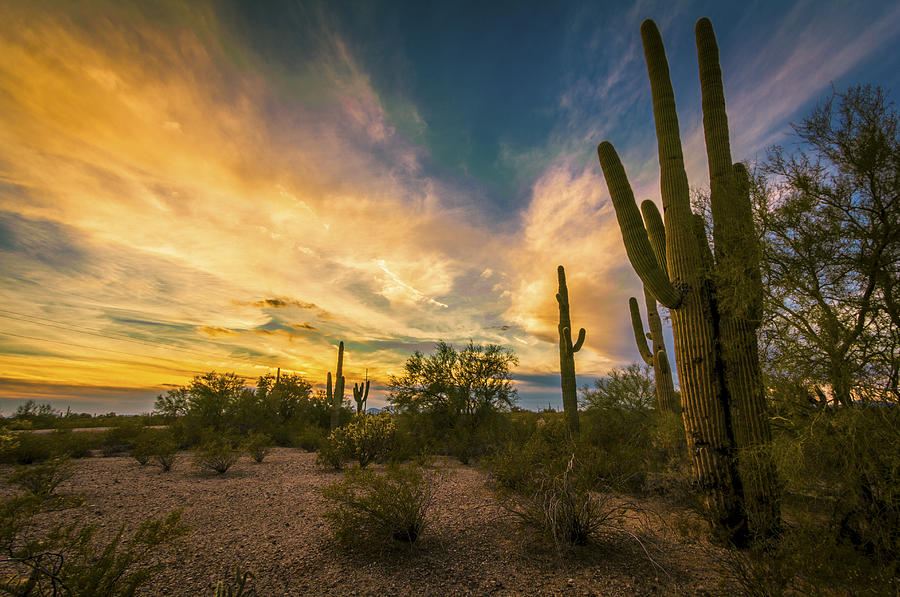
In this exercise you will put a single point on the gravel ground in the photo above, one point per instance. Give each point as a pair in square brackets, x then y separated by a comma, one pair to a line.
[266, 517]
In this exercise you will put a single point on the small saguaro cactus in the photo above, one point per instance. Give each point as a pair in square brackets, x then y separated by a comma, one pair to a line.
[336, 397]
[714, 300]
[567, 352]
[361, 394]
[655, 357]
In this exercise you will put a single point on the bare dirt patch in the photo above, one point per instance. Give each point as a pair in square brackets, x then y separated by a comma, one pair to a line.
[267, 517]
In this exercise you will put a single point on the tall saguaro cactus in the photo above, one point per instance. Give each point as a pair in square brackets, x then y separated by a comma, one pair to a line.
[714, 306]
[654, 354]
[336, 397]
[567, 352]
[738, 284]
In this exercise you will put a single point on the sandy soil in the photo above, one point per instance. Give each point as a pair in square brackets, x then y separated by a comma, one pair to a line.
[266, 517]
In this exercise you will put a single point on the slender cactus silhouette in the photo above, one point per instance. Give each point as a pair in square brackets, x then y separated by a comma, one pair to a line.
[567, 352]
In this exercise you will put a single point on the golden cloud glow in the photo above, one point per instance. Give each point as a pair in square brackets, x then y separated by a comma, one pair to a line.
[570, 223]
[218, 222]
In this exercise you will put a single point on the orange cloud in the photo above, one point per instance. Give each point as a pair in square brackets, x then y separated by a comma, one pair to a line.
[216, 332]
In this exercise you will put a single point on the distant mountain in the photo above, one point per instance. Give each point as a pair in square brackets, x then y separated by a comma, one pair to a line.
[373, 411]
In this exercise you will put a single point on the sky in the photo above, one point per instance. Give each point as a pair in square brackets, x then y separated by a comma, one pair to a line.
[238, 186]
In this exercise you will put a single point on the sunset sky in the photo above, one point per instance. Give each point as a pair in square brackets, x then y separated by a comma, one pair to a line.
[187, 187]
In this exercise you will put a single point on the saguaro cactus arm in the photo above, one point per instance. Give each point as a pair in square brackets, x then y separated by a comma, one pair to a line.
[663, 360]
[638, 325]
[562, 297]
[634, 235]
[573, 348]
[739, 287]
[750, 290]
[715, 118]
[656, 231]
[673, 179]
[339, 374]
[577, 346]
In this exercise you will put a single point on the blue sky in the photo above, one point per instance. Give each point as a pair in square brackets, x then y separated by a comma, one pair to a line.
[239, 186]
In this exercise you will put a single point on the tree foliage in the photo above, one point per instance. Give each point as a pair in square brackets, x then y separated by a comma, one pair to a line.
[173, 404]
[830, 227]
[470, 382]
[631, 387]
[279, 406]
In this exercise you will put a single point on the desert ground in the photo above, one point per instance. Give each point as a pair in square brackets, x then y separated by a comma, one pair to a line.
[266, 517]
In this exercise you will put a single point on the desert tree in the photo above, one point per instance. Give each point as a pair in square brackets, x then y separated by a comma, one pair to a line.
[632, 387]
[466, 383]
[831, 247]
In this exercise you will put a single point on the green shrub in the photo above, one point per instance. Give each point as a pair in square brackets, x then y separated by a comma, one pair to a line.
[545, 453]
[669, 469]
[463, 436]
[804, 560]
[9, 443]
[468, 442]
[146, 445]
[380, 507]
[258, 446]
[333, 451]
[365, 439]
[841, 474]
[164, 450]
[31, 448]
[42, 479]
[166, 460]
[308, 438]
[369, 437]
[67, 561]
[216, 455]
[20, 425]
[120, 438]
[626, 439]
[408, 444]
[76, 444]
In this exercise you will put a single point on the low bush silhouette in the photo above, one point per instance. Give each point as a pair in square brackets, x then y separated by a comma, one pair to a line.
[163, 450]
[29, 448]
[387, 507]
[564, 510]
[42, 479]
[216, 455]
[258, 446]
[121, 438]
[67, 560]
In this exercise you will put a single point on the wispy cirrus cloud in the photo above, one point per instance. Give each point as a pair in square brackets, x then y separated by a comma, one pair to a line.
[773, 76]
